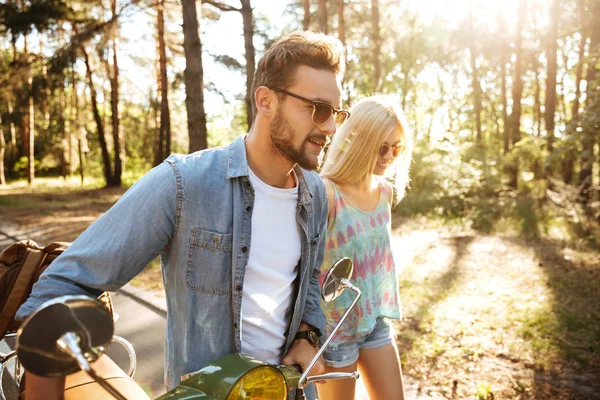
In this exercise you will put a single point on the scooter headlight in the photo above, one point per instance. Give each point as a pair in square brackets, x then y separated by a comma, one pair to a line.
[261, 383]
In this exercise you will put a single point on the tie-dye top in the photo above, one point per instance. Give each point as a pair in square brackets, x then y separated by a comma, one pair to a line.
[364, 236]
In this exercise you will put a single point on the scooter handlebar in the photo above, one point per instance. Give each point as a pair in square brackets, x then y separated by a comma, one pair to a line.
[333, 376]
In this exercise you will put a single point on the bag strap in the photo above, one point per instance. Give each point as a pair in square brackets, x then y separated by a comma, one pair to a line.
[34, 259]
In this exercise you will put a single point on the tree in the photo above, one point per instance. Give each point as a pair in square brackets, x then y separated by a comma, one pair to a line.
[306, 19]
[323, 16]
[517, 93]
[580, 58]
[504, 55]
[163, 146]
[194, 76]
[114, 103]
[97, 118]
[249, 51]
[590, 130]
[551, 76]
[376, 37]
[475, 77]
[2, 151]
[250, 57]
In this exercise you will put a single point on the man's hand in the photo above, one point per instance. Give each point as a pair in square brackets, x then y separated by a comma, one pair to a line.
[302, 352]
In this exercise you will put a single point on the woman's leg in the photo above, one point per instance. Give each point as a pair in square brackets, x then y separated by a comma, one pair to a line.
[381, 372]
[342, 389]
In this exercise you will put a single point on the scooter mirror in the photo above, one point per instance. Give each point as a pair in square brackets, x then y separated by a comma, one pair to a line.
[37, 338]
[334, 285]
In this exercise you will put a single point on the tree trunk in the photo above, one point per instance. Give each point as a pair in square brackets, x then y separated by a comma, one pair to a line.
[589, 140]
[27, 122]
[164, 130]
[250, 57]
[193, 76]
[98, 119]
[581, 59]
[342, 38]
[44, 105]
[537, 104]
[76, 128]
[323, 16]
[476, 85]
[31, 134]
[551, 79]
[12, 144]
[517, 93]
[2, 152]
[63, 129]
[504, 56]
[568, 163]
[81, 161]
[74, 124]
[306, 20]
[341, 22]
[114, 103]
[376, 45]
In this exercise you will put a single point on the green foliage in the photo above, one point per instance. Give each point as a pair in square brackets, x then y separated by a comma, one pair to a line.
[484, 391]
[40, 14]
[21, 165]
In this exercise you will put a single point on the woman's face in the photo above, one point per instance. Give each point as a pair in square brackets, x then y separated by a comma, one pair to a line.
[391, 149]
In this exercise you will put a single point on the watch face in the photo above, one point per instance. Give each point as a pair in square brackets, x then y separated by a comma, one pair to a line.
[313, 338]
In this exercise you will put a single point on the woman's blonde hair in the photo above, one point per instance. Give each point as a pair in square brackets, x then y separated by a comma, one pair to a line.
[355, 146]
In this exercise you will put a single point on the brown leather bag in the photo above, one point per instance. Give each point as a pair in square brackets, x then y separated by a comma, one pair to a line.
[21, 264]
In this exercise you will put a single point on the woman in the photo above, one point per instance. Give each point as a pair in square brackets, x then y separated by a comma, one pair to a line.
[367, 163]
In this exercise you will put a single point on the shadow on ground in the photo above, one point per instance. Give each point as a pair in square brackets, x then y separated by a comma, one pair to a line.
[574, 280]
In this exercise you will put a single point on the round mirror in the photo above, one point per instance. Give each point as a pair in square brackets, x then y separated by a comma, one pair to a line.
[36, 340]
[332, 285]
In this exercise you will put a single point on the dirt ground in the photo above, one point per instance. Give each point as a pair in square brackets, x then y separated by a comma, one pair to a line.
[484, 316]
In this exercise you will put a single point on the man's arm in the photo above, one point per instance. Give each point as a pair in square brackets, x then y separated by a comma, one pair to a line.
[313, 315]
[302, 352]
[108, 254]
[116, 247]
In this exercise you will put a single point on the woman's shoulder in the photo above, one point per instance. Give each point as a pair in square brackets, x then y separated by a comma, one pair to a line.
[330, 193]
[387, 189]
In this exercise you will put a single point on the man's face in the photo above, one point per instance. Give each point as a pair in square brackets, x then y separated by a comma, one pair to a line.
[293, 133]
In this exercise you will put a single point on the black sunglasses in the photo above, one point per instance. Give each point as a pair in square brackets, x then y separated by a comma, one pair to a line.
[321, 111]
[383, 150]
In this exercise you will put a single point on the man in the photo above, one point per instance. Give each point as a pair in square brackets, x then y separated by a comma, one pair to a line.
[240, 229]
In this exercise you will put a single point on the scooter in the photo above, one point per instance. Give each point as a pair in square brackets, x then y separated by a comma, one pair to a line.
[77, 330]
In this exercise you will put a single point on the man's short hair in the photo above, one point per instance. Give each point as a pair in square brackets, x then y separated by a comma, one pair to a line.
[278, 65]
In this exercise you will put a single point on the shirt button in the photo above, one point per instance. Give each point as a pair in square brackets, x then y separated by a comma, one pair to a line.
[244, 249]
[238, 287]
[249, 208]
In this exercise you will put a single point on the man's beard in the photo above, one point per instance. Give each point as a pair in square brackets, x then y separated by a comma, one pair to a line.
[282, 138]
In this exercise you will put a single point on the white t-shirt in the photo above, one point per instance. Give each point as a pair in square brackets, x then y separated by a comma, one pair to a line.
[272, 268]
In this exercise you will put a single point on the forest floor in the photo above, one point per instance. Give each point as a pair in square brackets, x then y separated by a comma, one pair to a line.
[485, 316]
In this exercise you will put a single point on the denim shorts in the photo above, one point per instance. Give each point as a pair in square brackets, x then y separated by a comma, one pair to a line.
[346, 354]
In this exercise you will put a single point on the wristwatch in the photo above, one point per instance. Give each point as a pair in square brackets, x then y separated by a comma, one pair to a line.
[312, 336]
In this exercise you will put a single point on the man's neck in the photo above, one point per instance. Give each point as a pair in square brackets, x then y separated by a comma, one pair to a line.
[270, 167]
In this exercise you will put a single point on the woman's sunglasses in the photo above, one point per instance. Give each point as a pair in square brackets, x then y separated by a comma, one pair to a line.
[321, 111]
[396, 150]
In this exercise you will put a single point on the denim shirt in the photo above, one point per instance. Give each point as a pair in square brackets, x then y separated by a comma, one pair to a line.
[195, 212]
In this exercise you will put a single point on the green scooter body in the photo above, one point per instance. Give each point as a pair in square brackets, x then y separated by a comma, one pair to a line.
[215, 381]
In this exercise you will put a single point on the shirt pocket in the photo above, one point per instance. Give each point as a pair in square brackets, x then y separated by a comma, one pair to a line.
[209, 262]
